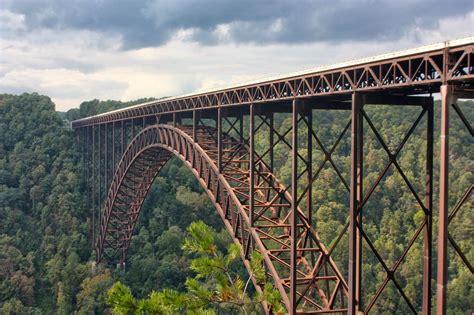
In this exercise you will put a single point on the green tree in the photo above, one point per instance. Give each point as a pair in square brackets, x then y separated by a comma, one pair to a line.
[92, 297]
[215, 286]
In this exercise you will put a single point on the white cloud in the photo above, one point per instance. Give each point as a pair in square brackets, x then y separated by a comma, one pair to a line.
[11, 22]
[454, 27]
[277, 26]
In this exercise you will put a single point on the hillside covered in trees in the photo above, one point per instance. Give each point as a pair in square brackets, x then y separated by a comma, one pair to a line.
[46, 259]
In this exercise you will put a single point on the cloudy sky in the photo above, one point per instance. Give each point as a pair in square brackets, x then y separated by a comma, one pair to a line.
[76, 50]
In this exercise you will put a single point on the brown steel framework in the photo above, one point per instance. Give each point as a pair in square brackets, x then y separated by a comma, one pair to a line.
[214, 135]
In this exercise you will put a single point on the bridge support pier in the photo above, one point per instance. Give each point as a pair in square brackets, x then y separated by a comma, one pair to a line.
[219, 138]
[428, 230]
[252, 164]
[359, 198]
[449, 97]
[354, 202]
[294, 206]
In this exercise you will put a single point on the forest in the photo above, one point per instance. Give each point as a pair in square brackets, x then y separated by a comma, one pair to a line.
[47, 262]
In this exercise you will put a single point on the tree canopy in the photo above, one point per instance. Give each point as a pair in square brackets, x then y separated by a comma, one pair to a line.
[46, 256]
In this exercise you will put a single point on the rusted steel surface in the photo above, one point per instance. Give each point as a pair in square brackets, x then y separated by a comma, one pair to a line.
[449, 97]
[271, 234]
[355, 200]
[126, 149]
[359, 198]
[420, 72]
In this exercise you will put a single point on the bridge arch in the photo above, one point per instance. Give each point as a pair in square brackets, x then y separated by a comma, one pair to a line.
[141, 162]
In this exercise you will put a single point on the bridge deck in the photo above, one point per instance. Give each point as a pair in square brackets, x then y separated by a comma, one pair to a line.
[419, 70]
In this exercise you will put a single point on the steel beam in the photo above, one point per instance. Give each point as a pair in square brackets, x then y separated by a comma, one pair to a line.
[113, 149]
[241, 128]
[93, 179]
[122, 138]
[355, 198]
[447, 98]
[99, 174]
[271, 141]
[387, 99]
[100, 168]
[418, 71]
[428, 230]
[294, 207]
[309, 165]
[360, 196]
[89, 182]
[252, 166]
[195, 124]
[219, 139]
[106, 158]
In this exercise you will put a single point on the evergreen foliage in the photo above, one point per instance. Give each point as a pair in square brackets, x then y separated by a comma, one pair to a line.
[216, 286]
[45, 247]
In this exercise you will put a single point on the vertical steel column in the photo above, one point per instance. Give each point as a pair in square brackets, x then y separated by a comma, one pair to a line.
[309, 181]
[441, 286]
[294, 207]
[251, 166]
[241, 128]
[219, 139]
[88, 165]
[427, 235]
[83, 150]
[309, 165]
[99, 172]
[106, 158]
[122, 144]
[113, 150]
[355, 193]
[82, 132]
[360, 196]
[174, 119]
[271, 141]
[93, 184]
[195, 125]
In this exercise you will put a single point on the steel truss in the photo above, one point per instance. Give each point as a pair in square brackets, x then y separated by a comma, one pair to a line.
[258, 209]
[274, 213]
[447, 211]
[359, 198]
[268, 232]
[420, 72]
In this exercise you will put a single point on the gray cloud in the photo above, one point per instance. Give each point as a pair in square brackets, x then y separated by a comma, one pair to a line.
[73, 50]
[149, 23]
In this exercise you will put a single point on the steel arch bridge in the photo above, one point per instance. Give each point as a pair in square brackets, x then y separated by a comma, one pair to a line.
[213, 133]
